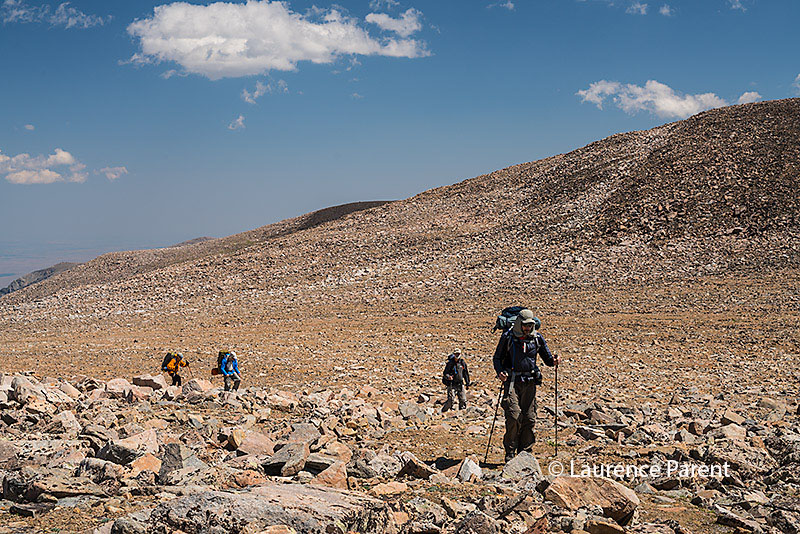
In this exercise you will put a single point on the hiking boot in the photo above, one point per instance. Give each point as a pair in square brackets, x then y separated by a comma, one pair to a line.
[509, 457]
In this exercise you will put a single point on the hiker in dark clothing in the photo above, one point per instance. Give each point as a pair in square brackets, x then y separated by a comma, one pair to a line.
[515, 363]
[456, 378]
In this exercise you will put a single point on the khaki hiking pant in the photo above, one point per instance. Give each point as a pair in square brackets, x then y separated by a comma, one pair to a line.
[519, 407]
[454, 391]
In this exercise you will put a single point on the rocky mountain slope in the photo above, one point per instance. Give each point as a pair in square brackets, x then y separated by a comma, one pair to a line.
[36, 277]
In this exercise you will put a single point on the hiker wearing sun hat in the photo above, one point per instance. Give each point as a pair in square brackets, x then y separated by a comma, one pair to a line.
[515, 363]
[456, 378]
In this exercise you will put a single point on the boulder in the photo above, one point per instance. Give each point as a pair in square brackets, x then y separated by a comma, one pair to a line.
[98, 436]
[154, 382]
[124, 451]
[469, 471]
[288, 461]
[148, 462]
[617, 501]
[334, 476]
[601, 526]
[100, 470]
[304, 508]
[304, 433]
[414, 468]
[117, 388]
[732, 417]
[747, 460]
[65, 423]
[477, 523]
[256, 443]
[731, 431]
[28, 484]
[523, 465]
[178, 457]
[24, 390]
[318, 462]
[70, 390]
[196, 385]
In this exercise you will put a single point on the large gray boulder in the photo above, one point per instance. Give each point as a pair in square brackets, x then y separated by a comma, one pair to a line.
[307, 509]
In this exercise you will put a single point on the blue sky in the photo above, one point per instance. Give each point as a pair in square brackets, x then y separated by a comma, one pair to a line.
[138, 124]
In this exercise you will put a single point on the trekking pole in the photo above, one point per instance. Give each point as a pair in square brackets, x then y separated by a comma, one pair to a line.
[555, 417]
[500, 396]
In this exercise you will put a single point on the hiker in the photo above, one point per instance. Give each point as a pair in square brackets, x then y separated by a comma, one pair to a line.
[229, 367]
[456, 378]
[515, 363]
[172, 364]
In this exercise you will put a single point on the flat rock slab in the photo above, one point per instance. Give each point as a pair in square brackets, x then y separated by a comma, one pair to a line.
[618, 502]
[307, 509]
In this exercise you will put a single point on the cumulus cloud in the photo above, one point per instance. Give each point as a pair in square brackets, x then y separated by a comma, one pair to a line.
[404, 26]
[112, 173]
[749, 97]
[231, 39]
[737, 4]
[383, 4]
[666, 10]
[59, 166]
[29, 127]
[357, 96]
[637, 8]
[261, 89]
[508, 4]
[237, 123]
[17, 11]
[655, 97]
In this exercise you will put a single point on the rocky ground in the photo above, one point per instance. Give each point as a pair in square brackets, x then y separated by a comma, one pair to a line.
[91, 456]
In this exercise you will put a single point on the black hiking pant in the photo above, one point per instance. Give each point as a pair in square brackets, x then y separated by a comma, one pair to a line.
[176, 379]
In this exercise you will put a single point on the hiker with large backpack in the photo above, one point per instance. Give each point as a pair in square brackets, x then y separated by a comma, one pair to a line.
[515, 363]
[456, 378]
[172, 364]
[229, 367]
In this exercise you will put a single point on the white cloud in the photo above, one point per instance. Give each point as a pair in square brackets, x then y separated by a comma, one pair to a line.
[29, 127]
[796, 84]
[666, 10]
[737, 4]
[64, 15]
[357, 96]
[230, 39]
[508, 4]
[407, 24]
[637, 8]
[749, 97]
[383, 4]
[112, 173]
[237, 123]
[655, 97]
[261, 89]
[27, 169]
